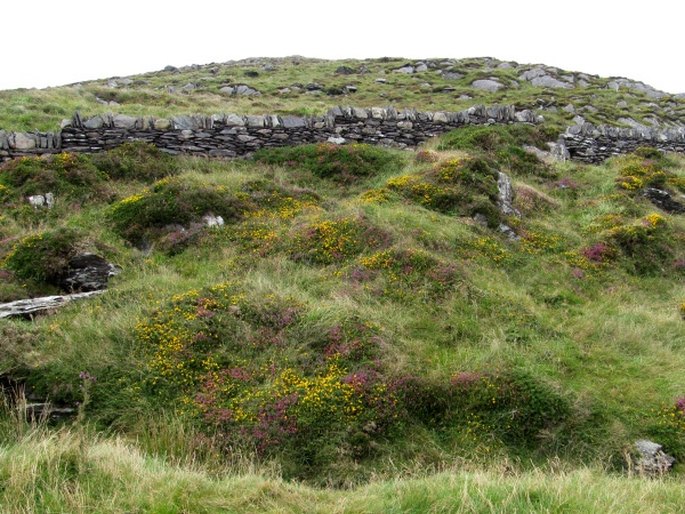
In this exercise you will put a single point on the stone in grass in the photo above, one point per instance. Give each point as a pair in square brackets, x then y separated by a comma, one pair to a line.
[87, 272]
[32, 306]
[651, 459]
[486, 85]
[664, 200]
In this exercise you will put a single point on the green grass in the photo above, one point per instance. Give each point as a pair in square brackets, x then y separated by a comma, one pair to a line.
[150, 93]
[68, 472]
[444, 366]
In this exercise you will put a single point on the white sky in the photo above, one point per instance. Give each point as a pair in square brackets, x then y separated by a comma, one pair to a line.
[48, 43]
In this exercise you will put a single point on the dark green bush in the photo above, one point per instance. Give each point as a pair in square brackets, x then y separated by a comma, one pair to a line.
[136, 160]
[66, 175]
[172, 202]
[44, 256]
[493, 138]
[342, 163]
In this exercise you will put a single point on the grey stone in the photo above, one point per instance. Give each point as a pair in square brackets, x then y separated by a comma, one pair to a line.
[184, 123]
[87, 272]
[421, 67]
[452, 75]
[381, 81]
[123, 121]
[256, 121]
[95, 122]
[651, 459]
[509, 232]
[663, 200]
[578, 119]
[227, 90]
[233, 120]
[345, 70]
[212, 221]
[336, 140]
[244, 138]
[170, 69]
[532, 74]
[549, 82]
[22, 141]
[405, 125]
[46, 304]
[293, 122]
[486, 85]
[161, 124]
[570, 108]
[440, 117]
[37, 201]
[243, 90]
[406, 69]
[505, 195]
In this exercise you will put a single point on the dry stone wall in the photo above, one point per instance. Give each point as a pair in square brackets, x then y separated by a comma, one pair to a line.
[592, 144]
[231, 135]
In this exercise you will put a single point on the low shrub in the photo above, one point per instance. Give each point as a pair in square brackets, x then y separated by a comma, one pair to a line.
[170, 203]
[457, 186]
[335, 240]
[342, 163]
[65, 175]
[44, 256]
[267, 372]
[136, 160]
[645, 243]
[510, 405]
[493, 138]
[646, 167]
[668, 427]
[404, 274]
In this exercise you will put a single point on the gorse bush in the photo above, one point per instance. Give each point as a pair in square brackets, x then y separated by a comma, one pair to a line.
[464, 187]
[173, 201]
[404, 274]
[66, 175]
[646, 167]
[262, 370]
[136, 160]
[645, 243]
[342, 163]
[44, 256]
[335, 240]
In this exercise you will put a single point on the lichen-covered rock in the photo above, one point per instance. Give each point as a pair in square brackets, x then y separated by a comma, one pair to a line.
[32, 306]
[487, 85]
[87, 272]
[663, 200]
[651, 459]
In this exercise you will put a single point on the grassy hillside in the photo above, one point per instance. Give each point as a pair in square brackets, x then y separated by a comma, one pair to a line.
[360, 322]
[302, 86]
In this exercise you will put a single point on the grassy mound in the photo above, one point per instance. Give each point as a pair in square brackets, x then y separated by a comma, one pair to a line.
[341, 163]
[136, 160]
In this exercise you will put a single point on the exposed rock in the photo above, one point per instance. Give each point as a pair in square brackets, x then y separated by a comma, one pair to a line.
[170, 69]
[239, 90]
[87, 272]
[550, 82]
[570, 108]
[505, 200]
[213, 221]
[421, 67]
[314, 86]
[487, 85]
[381, 81]
[406, 69]
[350, 88]
[652, 460]
[336, 140]
[663, 200]
[31, 306]
[452, 75]
[37, 201]
[345, 70]
[509, 232]
[532, 74]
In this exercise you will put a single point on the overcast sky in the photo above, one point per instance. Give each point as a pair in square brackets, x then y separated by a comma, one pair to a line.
[48, 43]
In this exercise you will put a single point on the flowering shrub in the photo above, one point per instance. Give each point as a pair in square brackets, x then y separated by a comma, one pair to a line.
[599, 253]
[65, 175]
[510, 405]
[645, 243]
[456, 186]
[172, 202]
[407, 274]
[44, 256]
[646, 167]
[262, 371]
[330, 241]
[342, 163]
[669, 427]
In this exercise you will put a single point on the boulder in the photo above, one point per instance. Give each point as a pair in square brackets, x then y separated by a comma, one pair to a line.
[407, 69]
[87, 272]
[505, 196]
[213, 221]
[23, 141]
[663, 200]
[345, 70]
[38, 201]
[651, 459]
[487, 85]
[549, 82]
